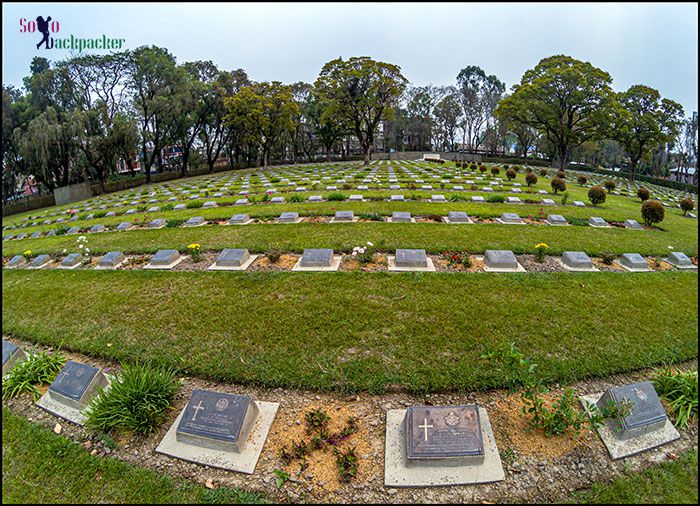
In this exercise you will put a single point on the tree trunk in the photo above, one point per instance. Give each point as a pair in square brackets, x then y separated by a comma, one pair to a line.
[185, 161]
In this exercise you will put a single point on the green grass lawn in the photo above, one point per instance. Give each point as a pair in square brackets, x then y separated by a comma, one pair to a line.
[41, 467]
[674, 482]
[359, 331]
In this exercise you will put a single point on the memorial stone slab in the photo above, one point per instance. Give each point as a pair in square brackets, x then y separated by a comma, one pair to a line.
[35, 234]
[355, 198]
[500, 259]
[239, 219]
[548, 202]
[510, 218]
[595, 221]
[165, 258]
[97, 228]
[577, 260]
[411, 258]
[73, 230]
[315, 198]
[633, 224]
[438, 198]
[634, 262]
[478, 198]
[232, 258]
[195, 221]
[443, 432]
[40, 261]
[457, 217]
[77, 384]
[288, 217]
[513, 200]
[397, 198]
[131, 211]
[679, 259]
[16, 261]
[153, 209]
[277, 200]
[125, 225]
[11, 355]
[51, 233]
[344, 216]
[111, 260]
[401, 217]
[556, 219]
[208, 204]
[320, 257]
[157, 223]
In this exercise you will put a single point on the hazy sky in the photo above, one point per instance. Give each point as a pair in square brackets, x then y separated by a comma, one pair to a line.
[652, 44]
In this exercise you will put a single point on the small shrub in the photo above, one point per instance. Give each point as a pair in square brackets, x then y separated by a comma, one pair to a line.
[528, 170]
[607, 257]
[296, 198]
[643, 194]
[610, 185]
[531, 178]
[371, 216]
[434, 217]
[273, 255]
[582, 180]
[364, 254]
[457, 258]
[61, 230]
[540, 251]
[347, 464]
[275, 179]
[558, 185]
[137, 400]
[28, 255]
[195, 251]
[174, 222]
[543, 172]
[140, 209]
[495, 171]
[510, 174]
[316, 420]
[167, 207]
[687, 205]
[36, 369]
[496, 198]
[561, 174]
[565, 198]
[457, 197]
[482, 168]
[506, 166]
[516, 168]
[680, 390]
[596, 195]
[194, 204]
[653, 212]
[346, 186]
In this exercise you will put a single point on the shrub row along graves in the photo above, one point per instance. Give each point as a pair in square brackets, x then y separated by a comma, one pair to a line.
[426, 445]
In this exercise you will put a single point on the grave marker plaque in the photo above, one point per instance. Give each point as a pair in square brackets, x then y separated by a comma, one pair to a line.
[401, 216]
[646, 411]
[77, 384]
[411, 258]
[11, 354]
[217, 420]
[317, 258]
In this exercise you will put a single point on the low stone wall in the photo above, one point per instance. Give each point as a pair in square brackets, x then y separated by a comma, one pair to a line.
[72, 193]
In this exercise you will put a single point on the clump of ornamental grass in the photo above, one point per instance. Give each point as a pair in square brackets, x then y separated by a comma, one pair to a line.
[37, 369]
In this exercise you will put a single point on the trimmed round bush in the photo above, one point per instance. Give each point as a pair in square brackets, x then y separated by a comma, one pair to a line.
[687, 204]
[643, 194]
[582, 180]
[506, 166]
[530, 178]
[482, 168]
[516, 168]
[561, 174]
[610, 185]
[543, 172]
[528, 170]
[596, 194]
[653, 212]
[495, 171]
[510, 174]
[558, 185]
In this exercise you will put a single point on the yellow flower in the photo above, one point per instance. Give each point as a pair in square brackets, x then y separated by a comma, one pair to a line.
[27, 253]
[541, 245]
[193, 246]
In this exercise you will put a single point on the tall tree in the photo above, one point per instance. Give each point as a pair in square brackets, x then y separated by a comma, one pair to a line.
[642, 121]
[361, 92]
[567, 100]
[264, 111]
[447, 113]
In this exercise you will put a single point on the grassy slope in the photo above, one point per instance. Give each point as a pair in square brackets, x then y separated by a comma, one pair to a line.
[673, 482]
[351, 331]
[41, 467]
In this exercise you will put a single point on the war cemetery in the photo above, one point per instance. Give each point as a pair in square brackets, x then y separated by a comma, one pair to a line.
[253, 292]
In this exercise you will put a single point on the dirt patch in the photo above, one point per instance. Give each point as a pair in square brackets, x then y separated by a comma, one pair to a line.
[349, 263]
[284, 263]
[549, 264]
[614, 267]
[188, 264]
[659, 265]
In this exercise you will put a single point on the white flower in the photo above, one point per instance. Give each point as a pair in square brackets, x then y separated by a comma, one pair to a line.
[361, 250]
[369, 244]
[80, 246]
[87, 250]
[64, 250]
[670, 247]
[354, 253]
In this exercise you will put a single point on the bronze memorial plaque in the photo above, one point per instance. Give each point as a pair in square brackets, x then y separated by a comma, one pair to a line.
[434, 432]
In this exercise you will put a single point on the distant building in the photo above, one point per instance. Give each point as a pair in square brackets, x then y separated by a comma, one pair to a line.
[685, 175]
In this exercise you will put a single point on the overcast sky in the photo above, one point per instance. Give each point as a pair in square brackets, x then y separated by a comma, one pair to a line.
[652, 44]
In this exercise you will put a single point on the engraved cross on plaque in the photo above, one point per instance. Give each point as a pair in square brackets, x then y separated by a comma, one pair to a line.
[425, 428]
[196, 410]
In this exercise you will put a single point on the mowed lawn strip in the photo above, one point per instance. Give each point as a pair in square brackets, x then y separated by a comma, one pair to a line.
[357, 331]
[433, 237]
[41, 467]
[674, 482]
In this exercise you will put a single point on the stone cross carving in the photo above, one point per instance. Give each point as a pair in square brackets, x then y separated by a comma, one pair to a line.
[196, 410]
[425, 428]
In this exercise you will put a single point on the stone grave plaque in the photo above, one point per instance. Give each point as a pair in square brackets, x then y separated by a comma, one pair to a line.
[241, 202]
[165, 257]
[180, 207]
[443, 432]
[397, 198]
[500, 259]
[556, 219]
[577, 260]
[355, 198]
[277, 200]
[158, 223]
[548, 202]
[320, 257]
[73, 230]
[217, 420]
[344, 216]
[77, 384]
[511, 218]
[595, 221]
[72, 260]
[513, 200]
[478, 198]
[126, 225]
[51, 233]
[634, 261]
[153, 209]
[578, 203]
[11, 354]
[679, 259]
[646, 411]
[401, 216]
[232, 257]
[35, 234]
[210, 203]
[438, 198]
[195, 221]
[97, 228]
[40, 261]
[288, 217]
[16, 261]
[21, 236]
[315, 198]
[111, 259]
[394, 187]
[457, 217]
[633, 224]
[238, 218]
[8, 237]
[411, 258]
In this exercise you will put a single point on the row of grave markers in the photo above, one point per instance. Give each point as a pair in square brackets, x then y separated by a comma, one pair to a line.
[425, 445]
[324, 259]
